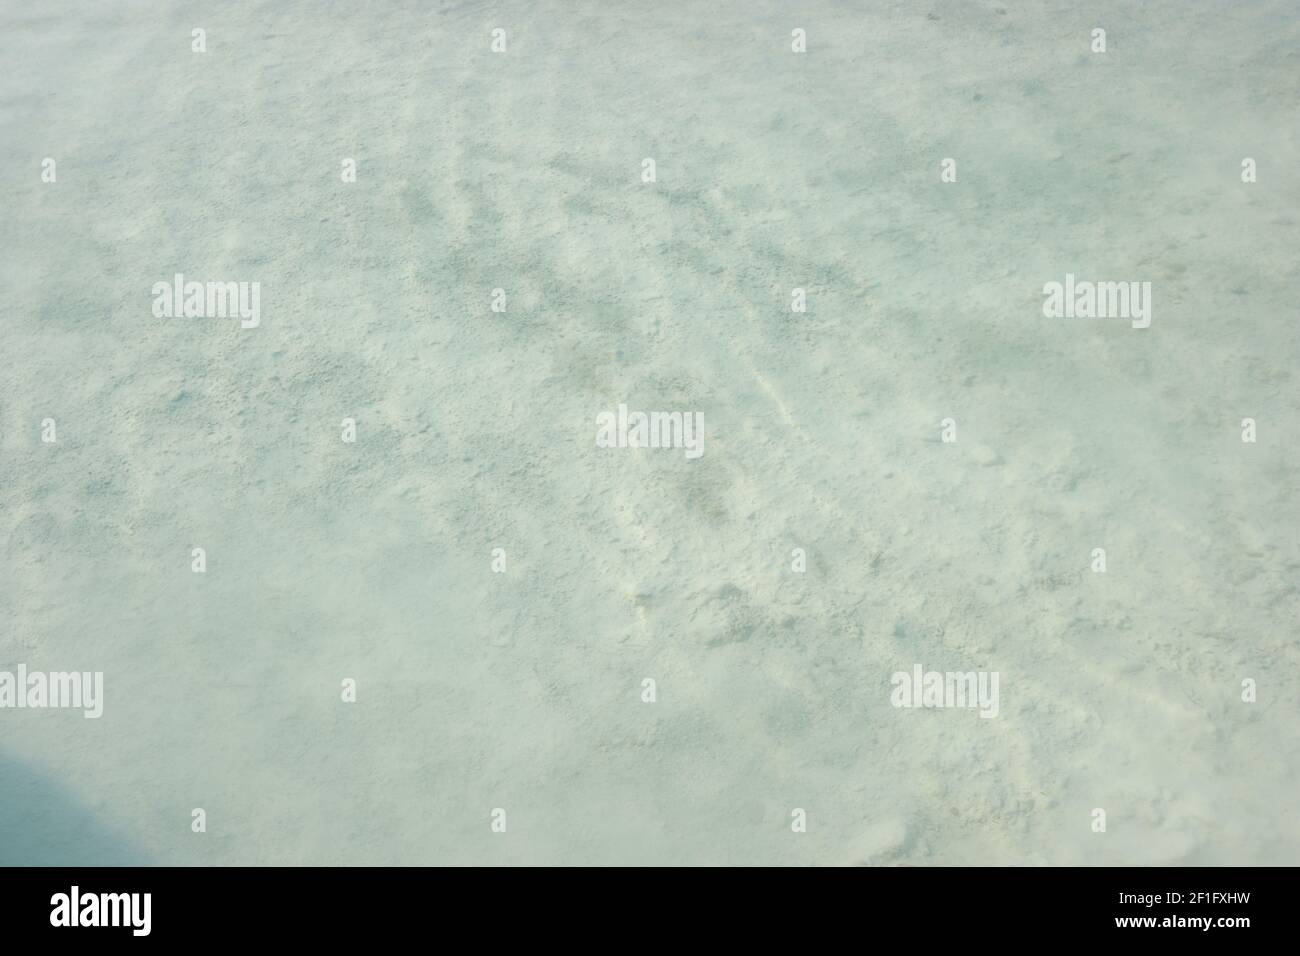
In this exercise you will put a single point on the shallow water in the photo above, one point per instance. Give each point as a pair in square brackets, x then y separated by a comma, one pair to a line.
[522, 690]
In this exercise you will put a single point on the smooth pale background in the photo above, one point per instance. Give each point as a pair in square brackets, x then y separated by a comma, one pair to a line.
[476, 431]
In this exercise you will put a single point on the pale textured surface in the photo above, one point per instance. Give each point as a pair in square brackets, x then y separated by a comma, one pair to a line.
[476, 431]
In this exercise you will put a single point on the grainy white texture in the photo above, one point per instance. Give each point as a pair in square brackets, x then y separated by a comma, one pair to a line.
[476, 430]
